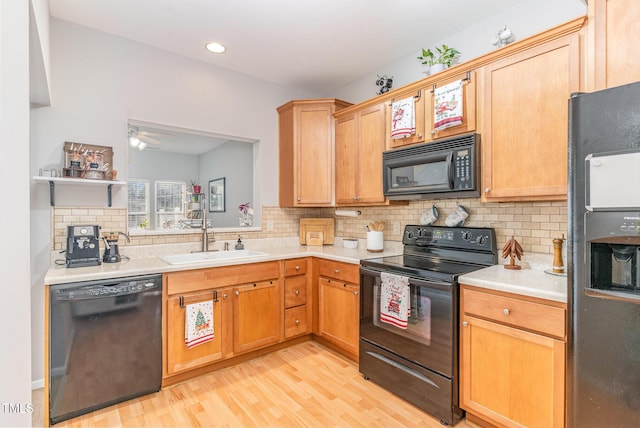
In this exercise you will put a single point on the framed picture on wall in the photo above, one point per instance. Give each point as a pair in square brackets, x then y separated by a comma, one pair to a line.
[216, 195]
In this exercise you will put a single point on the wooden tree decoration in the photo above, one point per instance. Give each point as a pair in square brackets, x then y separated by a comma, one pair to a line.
[512, 249]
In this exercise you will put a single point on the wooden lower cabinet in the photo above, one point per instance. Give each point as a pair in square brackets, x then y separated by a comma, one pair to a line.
[297, 302]
[339, 305]
[257, 316]
[512, 359]
[179, 356]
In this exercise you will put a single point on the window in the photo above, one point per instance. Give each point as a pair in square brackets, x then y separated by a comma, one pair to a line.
[138, 203]
[169, 198]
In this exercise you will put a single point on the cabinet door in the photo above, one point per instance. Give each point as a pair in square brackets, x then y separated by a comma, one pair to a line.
[257, 315]
[347, 159]
[524, 143]
[313, 154]
[468, 108]
[419, 99]
[371, 144]
[179, 356]
[613, 43]
[339, 313]
[360, 141]
[510, 376]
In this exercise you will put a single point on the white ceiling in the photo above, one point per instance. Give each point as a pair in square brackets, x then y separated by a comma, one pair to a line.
[317, 45]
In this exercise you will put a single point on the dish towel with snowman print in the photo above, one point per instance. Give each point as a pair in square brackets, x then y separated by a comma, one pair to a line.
[198, 323]
[394, 300]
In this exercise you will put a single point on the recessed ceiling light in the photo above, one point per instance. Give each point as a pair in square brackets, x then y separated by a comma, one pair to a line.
[215, 47]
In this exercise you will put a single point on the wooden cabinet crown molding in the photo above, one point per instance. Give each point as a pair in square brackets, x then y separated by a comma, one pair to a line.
[569, 27]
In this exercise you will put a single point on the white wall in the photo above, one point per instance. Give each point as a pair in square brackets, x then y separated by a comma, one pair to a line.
[15, 320]
[98, 82]
[525, 19]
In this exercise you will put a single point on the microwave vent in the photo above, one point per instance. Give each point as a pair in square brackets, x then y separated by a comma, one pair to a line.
[450, 144]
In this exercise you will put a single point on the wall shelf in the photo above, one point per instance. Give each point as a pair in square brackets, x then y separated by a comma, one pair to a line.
[77, 181]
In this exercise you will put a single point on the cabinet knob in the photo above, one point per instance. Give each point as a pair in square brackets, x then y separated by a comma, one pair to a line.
[298, 199]
[433, 132]
[355, 293]
[297, 292]
[465, 323]
[506, 311]
[419, 135]
[237, 293]
[297, 322]
[224, 296]
[486, 190]
[336, 271]
[297, 267]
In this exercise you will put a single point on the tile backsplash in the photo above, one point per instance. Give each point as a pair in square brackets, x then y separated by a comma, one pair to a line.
[533, 224]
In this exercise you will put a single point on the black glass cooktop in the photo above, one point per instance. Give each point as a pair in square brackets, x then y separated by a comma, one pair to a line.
[437, 269]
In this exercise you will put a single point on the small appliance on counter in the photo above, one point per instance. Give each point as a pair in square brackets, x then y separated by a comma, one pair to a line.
[111, 252]
[83, 246]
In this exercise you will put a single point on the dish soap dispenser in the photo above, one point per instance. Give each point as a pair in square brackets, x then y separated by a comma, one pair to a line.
[239, 244]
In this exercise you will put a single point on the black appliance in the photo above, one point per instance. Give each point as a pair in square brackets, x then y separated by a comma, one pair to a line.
[111, 251]
[443, 169]
[603, 369]
[105, 343]
[83, 246]
[419, 362]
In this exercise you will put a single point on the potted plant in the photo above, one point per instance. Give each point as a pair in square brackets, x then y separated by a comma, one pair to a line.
[440, 59]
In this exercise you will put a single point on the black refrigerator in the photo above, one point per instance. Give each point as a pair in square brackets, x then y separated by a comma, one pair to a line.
[603, 369]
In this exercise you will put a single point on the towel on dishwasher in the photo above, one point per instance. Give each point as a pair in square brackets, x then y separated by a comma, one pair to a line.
[198, 323]
[394, 299]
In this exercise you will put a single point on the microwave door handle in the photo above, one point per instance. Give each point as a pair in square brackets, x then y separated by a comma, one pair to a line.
[452, 168]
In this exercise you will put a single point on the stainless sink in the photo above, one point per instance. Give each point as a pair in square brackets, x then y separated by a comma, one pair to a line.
[179, 259]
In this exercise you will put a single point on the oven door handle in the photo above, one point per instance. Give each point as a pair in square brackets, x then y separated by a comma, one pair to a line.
[434, 284]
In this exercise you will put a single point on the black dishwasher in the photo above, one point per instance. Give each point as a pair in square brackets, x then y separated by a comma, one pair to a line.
[105, 343]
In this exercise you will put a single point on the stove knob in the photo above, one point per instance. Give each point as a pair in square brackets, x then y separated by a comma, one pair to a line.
[466, 235]
[481, 239]
[409, 234]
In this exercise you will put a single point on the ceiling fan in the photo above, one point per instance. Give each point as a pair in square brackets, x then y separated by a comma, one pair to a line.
[141, 139]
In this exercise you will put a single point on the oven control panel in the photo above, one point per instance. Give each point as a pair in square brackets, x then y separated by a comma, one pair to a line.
[455, 237]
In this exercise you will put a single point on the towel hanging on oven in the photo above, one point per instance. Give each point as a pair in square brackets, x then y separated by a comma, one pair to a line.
[394, 300]
[198, 326]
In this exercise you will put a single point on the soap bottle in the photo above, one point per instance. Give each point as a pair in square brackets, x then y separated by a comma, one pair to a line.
[239, 244]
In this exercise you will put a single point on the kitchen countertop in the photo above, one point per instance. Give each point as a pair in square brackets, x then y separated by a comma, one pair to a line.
[531, 280]
[145, 259]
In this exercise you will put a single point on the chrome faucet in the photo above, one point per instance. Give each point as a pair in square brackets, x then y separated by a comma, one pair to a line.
[205, 233]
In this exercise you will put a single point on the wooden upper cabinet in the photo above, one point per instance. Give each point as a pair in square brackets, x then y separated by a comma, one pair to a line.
[612, 43]
[525, 121]
[418, 96]
[360, 141]
[306, 152]
[468, 81]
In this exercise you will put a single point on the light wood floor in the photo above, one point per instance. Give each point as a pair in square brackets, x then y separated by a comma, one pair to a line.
[306, 385]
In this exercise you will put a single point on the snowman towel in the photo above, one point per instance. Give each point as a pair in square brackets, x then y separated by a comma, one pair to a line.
[394, 300]
[198, 326]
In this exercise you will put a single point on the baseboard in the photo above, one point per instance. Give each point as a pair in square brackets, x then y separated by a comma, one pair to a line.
[37, 384]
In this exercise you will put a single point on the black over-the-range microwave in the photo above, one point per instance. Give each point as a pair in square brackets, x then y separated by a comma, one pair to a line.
[443, 169]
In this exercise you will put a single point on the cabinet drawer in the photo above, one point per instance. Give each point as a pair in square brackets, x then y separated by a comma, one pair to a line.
[341, 271]
[295, 321]
[295, 291]
[295, 267]
[539, 317]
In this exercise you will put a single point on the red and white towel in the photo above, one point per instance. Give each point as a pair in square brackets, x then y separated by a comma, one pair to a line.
[198, 324]
[447, 106]
[394, 300]
[403, 118]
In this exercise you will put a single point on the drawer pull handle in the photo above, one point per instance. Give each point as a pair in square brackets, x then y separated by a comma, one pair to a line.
[297, 292]
[336, 271]
[297, 267]
[297, 322]
[506, 311]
